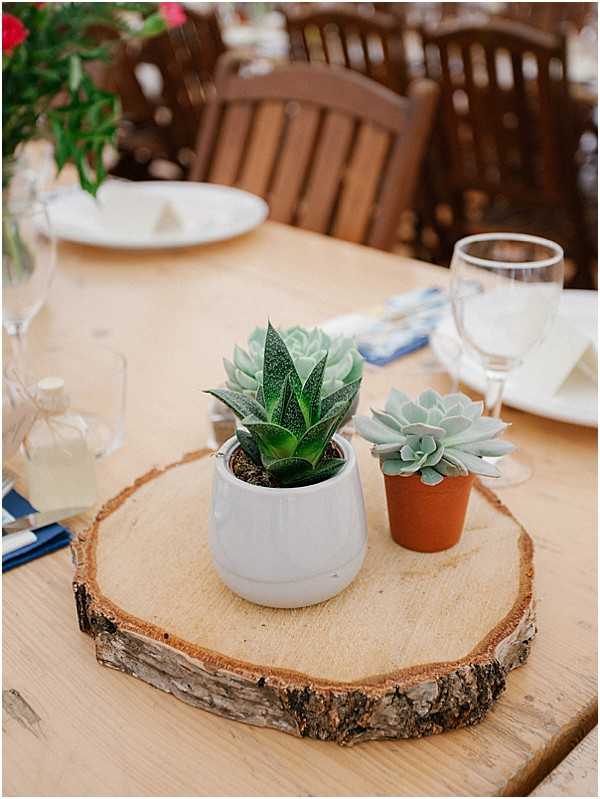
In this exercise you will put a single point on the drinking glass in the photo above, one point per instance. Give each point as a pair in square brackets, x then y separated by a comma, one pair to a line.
[505, 290]
[28, 263]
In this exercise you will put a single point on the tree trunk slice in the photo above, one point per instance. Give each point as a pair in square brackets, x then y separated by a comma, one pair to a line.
[418, 644]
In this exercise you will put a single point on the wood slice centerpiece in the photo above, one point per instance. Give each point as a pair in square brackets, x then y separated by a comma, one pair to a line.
[418, 644]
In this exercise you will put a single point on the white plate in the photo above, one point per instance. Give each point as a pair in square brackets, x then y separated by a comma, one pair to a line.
[205, 212]
[576, 402]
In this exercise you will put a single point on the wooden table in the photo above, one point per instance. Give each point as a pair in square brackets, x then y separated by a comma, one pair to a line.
[74, 728]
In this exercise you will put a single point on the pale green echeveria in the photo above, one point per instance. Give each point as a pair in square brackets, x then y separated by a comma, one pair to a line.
[344, 363]
[436, 436]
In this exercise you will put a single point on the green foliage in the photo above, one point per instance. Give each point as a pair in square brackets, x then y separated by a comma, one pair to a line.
[306, 347]
[435, 436]
[47, 90]
[288, 425]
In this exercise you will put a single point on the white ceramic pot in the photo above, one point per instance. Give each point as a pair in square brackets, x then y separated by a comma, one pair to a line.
[287, 547]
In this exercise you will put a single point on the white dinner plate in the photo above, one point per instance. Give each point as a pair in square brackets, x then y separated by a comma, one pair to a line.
[575, 402]
[124, 213]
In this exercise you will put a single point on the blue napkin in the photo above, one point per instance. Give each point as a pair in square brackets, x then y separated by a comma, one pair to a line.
[49, 538]
[407, 321]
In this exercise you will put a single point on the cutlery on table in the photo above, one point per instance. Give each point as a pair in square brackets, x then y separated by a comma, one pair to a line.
[32, 521]
[20, 532]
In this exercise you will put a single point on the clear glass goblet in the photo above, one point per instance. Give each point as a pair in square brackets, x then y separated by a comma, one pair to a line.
[505, 290]
[28, 263]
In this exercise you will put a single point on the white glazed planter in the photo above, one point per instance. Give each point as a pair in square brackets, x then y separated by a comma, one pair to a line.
[287, 547]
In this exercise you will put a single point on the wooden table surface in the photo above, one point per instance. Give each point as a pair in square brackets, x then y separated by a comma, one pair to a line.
[74, 728]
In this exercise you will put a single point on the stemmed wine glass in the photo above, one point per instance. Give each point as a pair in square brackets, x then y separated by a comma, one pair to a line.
[505, 290]
[28, 263]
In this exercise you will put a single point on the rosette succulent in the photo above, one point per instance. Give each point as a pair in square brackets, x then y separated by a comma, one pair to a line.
[306, 347]
[288, 422]
[435, 436]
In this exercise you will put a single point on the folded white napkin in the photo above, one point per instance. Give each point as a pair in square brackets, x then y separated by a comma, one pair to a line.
[566, 352]
[137, 213]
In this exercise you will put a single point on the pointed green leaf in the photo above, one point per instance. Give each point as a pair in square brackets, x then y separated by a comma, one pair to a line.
[313, 443]
[323, 471]
[277, 365]
[249, 445]
[310, 397]
[293, 417]
[240, 404]
[276, 414]
[344, 394]
[289, 468]
[273, 440]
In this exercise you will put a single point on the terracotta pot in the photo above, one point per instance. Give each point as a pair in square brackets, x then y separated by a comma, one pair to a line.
[427, 518]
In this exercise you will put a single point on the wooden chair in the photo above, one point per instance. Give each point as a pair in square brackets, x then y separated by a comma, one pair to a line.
[551, 17]
[505, 150]
[368, 43]
[330, 150]
[164, 124]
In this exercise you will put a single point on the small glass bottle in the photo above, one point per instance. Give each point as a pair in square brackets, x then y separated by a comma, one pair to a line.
[61, 470]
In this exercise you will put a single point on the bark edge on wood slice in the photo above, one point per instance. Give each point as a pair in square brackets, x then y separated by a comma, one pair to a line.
[409, 703]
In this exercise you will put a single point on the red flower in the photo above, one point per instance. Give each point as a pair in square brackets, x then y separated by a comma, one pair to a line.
[13, 33]
[173, 14]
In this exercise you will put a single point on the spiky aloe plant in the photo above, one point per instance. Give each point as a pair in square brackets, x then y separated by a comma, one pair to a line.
[436, 436]
[306, 347]
[289, 424]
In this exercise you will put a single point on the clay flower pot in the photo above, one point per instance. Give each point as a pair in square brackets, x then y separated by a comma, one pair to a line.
[427, 518]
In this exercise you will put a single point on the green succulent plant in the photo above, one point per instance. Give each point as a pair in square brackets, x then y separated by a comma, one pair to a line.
[289, 423]
[306, 347]
[436, 436]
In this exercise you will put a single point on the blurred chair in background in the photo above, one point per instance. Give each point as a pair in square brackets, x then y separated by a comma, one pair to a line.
[163, 85]
[550, 17]
[329, 149]
[368, 42]
[505, 149]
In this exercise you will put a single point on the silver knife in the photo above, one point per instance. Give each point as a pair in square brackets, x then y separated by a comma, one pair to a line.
[35, 520]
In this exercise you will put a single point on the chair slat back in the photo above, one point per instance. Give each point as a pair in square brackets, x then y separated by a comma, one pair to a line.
[368, 43]
[503, 104]
[330, 150]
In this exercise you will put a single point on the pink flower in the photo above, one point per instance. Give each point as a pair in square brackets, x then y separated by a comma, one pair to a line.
[13, 33]
[173, 14]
